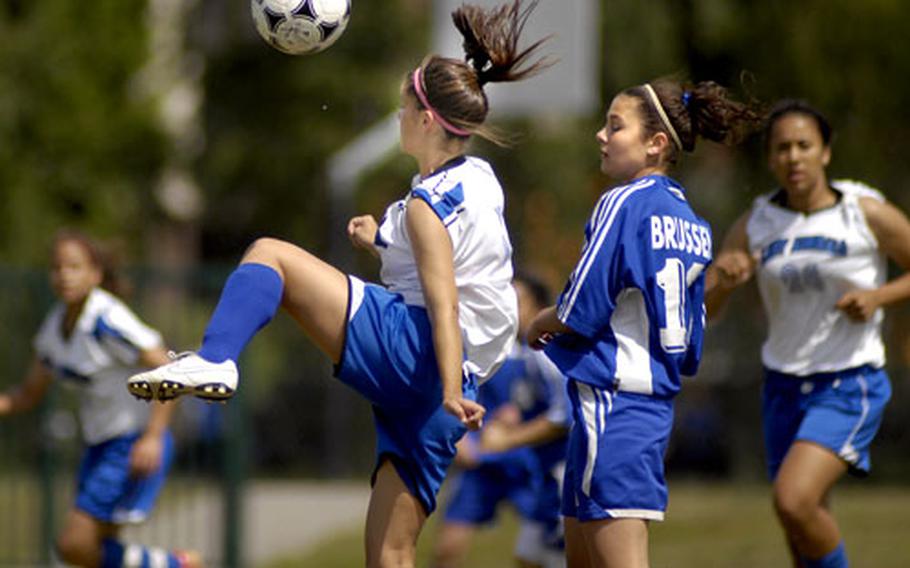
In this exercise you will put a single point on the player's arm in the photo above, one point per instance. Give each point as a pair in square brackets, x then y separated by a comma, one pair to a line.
[362, 232]
[27, 395]
[498, 437]
[892, 231]
[544, 326]
[732, 267]
[433, 252]
[145, 456]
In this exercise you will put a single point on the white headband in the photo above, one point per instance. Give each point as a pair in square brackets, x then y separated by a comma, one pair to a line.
[655, 102]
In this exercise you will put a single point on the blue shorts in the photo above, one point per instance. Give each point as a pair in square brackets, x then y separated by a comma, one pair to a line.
[840, 411]
[108, 491]
[388, 357]
[479, 491]
[615, 456]
[547, 501]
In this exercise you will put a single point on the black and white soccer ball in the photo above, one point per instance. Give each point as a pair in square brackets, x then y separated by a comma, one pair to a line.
[299, 27]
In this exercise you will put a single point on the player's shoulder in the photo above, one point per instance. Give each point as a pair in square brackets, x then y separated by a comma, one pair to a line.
[52, 322]
[764, 201]
[656, 194]
[458, 171]
[857, 189]
[101, 301]
[466, 179]
[625, 195]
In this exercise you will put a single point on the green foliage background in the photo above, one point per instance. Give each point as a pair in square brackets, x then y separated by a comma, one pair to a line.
[80, 145]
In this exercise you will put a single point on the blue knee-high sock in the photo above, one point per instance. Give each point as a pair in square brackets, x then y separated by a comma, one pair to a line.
[837, 558]
[249, 300]
[115, 555]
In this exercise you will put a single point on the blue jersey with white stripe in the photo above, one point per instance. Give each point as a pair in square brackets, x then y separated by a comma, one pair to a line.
[635, 300]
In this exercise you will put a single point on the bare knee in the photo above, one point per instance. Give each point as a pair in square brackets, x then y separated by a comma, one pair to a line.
[264, 248]
[393, 556]
[451, 543]
[78, 549]
[793, 507]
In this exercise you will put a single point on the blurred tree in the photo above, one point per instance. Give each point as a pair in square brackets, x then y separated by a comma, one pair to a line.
[76, 147]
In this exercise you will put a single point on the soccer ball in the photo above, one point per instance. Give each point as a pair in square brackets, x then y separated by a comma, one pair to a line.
[300, 26]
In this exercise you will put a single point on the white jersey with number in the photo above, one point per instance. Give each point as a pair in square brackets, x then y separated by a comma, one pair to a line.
[97, 358]
[467, 198]
[805, 265]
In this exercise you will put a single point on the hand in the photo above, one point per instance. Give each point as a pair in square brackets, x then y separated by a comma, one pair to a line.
[507, 414]
[145, 456]
[859, 305]
[362, 232]
[537, 336]
[494, 437]
[467, 454]
[733, 268]
[469, 412]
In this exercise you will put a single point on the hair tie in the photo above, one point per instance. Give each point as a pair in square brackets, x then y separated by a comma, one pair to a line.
[686, 98]
[417, 79]
[655, 102]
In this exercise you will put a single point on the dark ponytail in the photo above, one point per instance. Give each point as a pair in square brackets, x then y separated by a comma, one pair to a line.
[491, 41]
[453, 89]
[704, 109]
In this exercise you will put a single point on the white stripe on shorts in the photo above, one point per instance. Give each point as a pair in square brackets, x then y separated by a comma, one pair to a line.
[648, 514]
[595, 405]
[157, 558]
[587, 397]
[847, 452]
[132, 556]
[356, 290]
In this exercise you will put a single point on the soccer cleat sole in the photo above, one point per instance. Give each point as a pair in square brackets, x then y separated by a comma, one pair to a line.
[141, 390]
[213, 392]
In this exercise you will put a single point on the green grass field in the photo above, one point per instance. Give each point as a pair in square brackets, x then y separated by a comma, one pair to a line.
[708, 525]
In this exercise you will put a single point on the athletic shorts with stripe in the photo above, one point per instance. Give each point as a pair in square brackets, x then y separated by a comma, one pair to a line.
[841, 411]
[388, 358]
[615, 458]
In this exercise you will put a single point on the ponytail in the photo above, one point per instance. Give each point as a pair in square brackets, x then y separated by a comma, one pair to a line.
[704, 110]
[453, 90]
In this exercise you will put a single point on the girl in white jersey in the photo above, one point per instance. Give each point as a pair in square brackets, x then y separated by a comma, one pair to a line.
[629, 322]
[818, 250]
[445, 319]
[92, 342]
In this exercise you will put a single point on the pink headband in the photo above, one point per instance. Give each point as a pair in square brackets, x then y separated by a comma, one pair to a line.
[418, 88]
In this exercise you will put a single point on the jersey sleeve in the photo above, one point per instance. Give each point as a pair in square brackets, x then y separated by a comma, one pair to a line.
[589, 298]
[447, 205]
[124, 334]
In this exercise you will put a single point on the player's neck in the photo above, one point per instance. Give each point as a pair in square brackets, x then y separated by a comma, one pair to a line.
[819, 197]
[436, 157]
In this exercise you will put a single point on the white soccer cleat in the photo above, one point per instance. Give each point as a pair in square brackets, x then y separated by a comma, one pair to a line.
[187, 374]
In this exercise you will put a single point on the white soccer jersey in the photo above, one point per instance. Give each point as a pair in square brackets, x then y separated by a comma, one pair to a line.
[97, 358]
[807, 262]
[469, 201]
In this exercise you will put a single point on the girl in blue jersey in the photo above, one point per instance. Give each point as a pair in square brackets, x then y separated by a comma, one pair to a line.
[630, 320]
[445, 319]
[818, 249]
[92, 342]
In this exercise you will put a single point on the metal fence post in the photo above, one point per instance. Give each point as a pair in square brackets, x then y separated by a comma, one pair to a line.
[48, 483]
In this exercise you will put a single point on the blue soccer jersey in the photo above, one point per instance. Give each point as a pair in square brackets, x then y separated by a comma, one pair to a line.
[636, 297]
